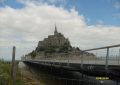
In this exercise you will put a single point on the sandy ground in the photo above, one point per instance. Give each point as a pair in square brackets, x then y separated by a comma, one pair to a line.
[29, 78]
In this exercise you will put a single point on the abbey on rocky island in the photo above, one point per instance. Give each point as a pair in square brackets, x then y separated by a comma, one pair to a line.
[56, 47]
[57, 40]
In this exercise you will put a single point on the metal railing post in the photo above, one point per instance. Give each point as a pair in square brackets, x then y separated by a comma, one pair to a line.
[119, 57]
[82, 60]
[107, 58]
[68, 63]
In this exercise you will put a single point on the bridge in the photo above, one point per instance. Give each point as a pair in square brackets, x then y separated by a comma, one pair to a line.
[108, 66]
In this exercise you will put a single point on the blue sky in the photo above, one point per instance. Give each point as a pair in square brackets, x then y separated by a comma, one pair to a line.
[87, 23]
[95, 11]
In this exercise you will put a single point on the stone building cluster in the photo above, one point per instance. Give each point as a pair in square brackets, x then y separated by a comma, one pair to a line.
[57, 39]
[56, 47]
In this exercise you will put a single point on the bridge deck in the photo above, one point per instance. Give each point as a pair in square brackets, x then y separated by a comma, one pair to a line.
[95, 62]
[89, 67]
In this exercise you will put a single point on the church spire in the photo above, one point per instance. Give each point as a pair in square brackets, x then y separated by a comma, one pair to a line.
[55, 32]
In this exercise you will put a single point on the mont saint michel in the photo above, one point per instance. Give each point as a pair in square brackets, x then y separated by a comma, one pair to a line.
[56, 46]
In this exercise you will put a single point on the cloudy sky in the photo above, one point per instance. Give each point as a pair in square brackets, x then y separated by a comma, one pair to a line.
[87, 23]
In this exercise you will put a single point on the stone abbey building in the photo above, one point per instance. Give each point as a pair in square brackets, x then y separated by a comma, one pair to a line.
[57, 39]
[56, 47]
[54, 43]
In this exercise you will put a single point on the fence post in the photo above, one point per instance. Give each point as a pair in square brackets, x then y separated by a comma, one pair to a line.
[107, 58]
[13, 72]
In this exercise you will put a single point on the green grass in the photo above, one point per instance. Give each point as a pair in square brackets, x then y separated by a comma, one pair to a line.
[5, 74]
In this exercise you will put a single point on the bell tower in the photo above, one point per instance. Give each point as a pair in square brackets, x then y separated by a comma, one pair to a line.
[55, 32]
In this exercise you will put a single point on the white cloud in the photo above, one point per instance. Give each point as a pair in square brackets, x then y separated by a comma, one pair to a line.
[43, 1]
[101, 22]
[117, 5]
[56, 1]
[117, 15]
[1, 2]
[26, 26]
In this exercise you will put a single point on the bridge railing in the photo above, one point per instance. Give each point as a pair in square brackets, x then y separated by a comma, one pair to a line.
[109, 55]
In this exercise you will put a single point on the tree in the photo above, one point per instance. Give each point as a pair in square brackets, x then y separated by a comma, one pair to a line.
[33, 54]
